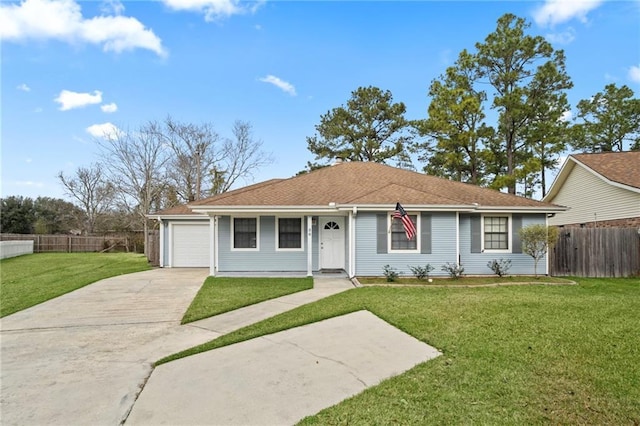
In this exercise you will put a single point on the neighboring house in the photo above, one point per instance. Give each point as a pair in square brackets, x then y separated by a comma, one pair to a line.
[600, 190]
[341, 218]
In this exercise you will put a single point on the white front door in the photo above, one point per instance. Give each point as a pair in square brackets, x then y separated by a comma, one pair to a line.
[331, 242]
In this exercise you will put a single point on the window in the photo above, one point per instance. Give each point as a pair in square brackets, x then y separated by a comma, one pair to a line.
[290, 233]
[399, 239]
[496, 233]
[245, 233]
[331, 225]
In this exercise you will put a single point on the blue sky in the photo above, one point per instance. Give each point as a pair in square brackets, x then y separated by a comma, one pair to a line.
[71, 69]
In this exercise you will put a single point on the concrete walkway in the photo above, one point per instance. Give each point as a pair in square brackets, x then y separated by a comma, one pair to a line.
[82, 358]
[279, 379]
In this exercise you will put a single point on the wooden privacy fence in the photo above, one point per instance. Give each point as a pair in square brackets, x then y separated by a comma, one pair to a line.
[596, 252]
[70, 243]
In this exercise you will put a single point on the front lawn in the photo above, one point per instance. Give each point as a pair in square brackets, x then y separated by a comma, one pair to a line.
[28, 280]
[221, 294]
[511, 355]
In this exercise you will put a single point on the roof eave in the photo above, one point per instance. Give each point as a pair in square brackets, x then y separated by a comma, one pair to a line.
[216, 210]
[521, 209]
[343, 208]
[175, 216]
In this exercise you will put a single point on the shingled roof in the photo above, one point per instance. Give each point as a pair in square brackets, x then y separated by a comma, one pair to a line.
[367, 184]
[620, 167]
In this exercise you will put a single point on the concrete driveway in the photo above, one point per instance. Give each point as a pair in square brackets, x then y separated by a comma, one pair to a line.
[84, 358]
[81, 359]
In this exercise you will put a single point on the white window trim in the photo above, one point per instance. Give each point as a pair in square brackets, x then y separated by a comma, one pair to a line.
[302, 231]
[509, 233]
[390, 220]
[232, 226]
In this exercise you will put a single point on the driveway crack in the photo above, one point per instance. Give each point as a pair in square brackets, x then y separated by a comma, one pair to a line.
[62, 327]
[326, 358]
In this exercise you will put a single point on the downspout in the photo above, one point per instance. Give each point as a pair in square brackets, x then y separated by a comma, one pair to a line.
[309, 246]
[161, 242]
[352, 242]
[212, 245]
[458, 260]
[546, 222]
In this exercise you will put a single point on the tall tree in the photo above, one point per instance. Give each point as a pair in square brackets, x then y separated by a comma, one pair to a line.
[548, 131]
[608, 120]
[510, 61]
[194, 156]
[371, 127]
[56, 216]
[135, 163]
[240, 157]
[456, 124]
[17, 215]
[91, 191]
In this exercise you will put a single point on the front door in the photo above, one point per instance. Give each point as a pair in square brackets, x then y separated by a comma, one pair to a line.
[331, 243]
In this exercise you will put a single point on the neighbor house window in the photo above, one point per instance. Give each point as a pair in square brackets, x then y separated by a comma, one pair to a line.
[290, 233]
[398, 237]
[496, 233]
[245, 233]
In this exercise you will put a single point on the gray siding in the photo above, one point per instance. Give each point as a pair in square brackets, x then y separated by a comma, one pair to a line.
[267, 258]
[476, 263]
[264, 259]
[370, 263]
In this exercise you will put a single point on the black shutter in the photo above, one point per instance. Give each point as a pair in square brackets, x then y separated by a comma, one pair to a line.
[381, 231]
[476, 234]
[425, 233]
[516, 225]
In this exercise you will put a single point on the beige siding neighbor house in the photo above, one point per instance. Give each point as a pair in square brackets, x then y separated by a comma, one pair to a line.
[601, 190]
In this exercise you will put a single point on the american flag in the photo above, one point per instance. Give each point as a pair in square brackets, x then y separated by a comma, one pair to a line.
[409, 227]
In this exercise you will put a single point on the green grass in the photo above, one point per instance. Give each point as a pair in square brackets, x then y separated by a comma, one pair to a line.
[466, 281]
[511, 355]
[220, 294]
[28, 280]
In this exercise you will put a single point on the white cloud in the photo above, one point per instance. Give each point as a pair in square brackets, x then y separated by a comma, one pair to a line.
[23, 87]
[213, 9]
[634, 73]
[108, 108]
[564, 37]
[62, 20]
[566, 116]
[70, 100]
[28, 160]
[114, 7]
[29, 183]
[554, 12]
[104, 130]
[281, 84]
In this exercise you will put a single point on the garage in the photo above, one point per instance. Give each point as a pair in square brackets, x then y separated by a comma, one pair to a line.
[189, 245]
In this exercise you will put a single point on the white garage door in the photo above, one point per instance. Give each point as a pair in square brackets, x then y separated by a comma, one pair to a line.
[190, 245]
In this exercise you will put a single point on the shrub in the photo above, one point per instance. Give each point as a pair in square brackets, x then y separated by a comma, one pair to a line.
[421, 272]
[499, 267]
[453, 269]
[390, 272]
